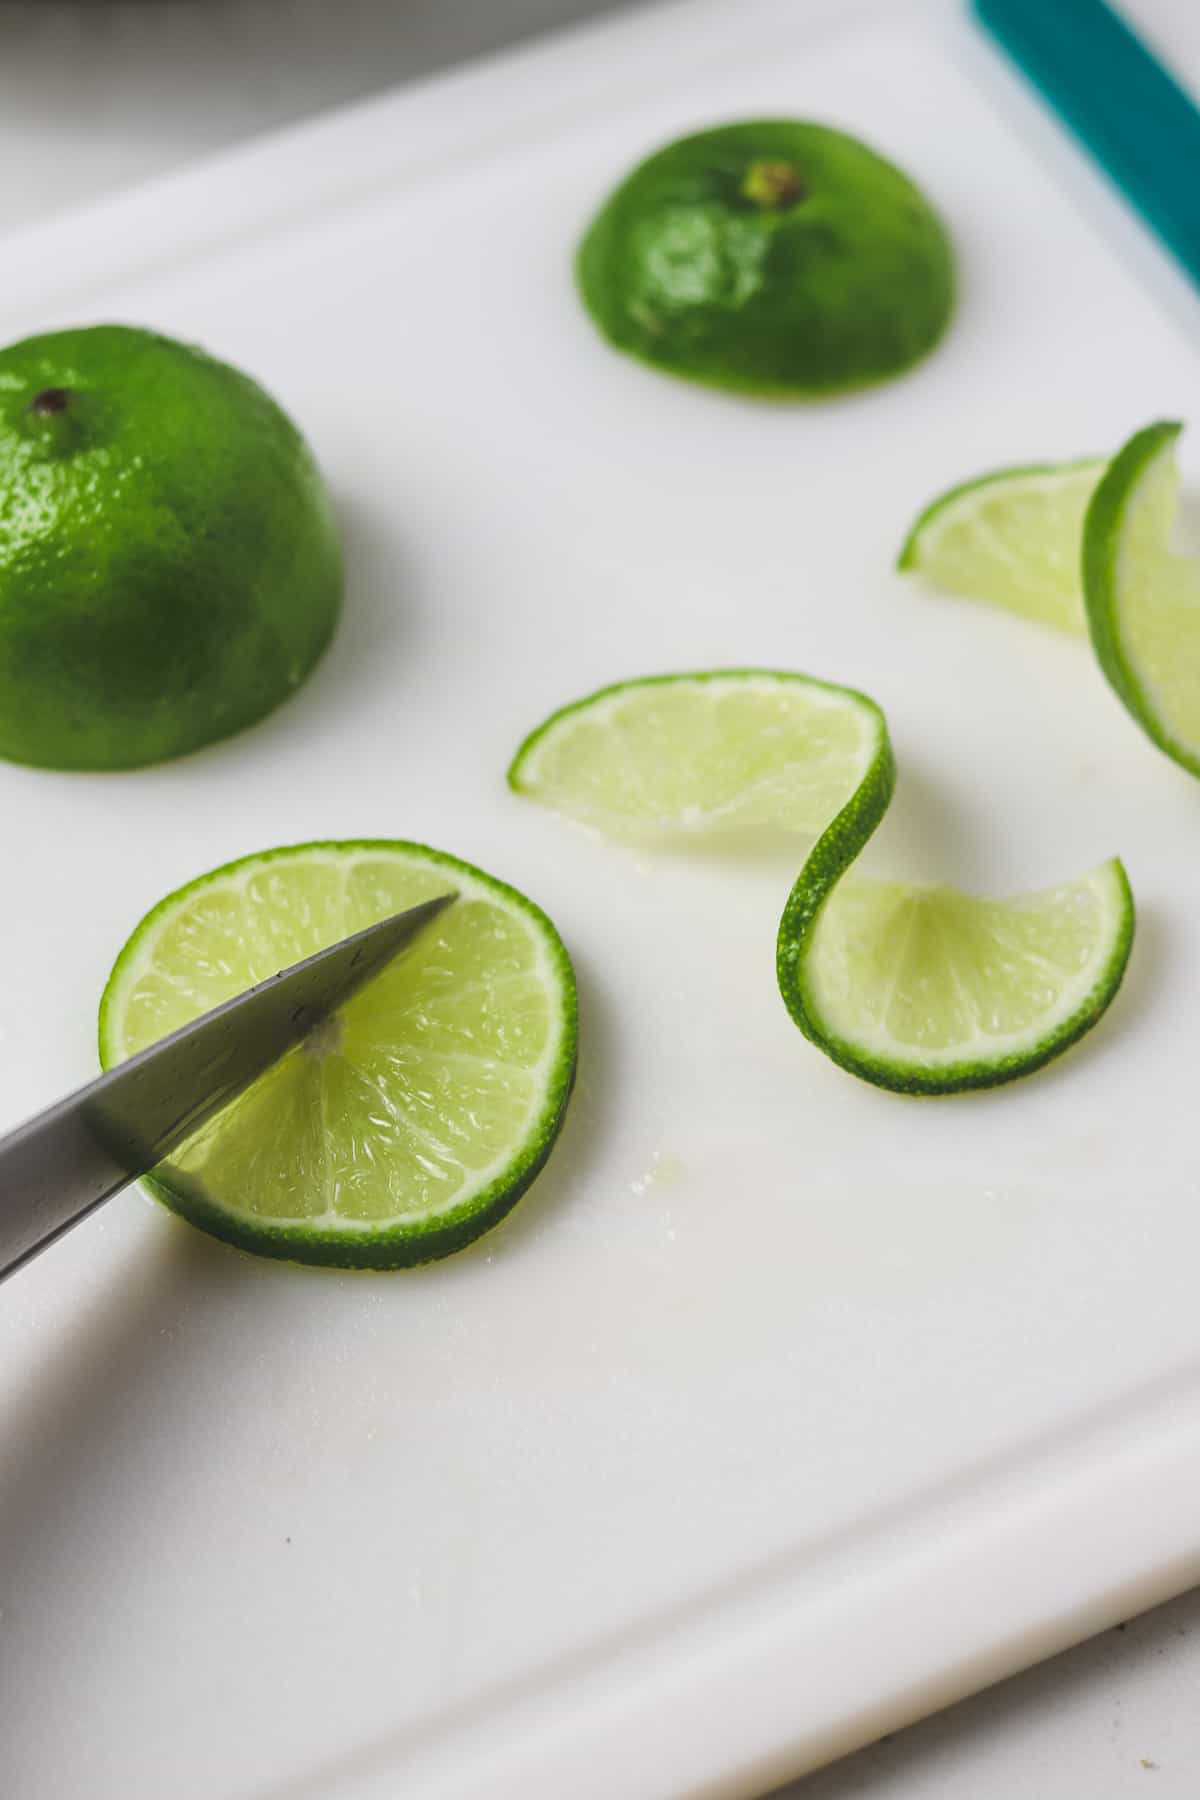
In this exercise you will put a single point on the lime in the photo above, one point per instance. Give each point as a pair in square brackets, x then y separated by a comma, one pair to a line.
[1013, 538]
[775, 257]
[931, 991]
[672, 755]
[921, 989]
[412, 1121]
[1143, 598]
[169, 563]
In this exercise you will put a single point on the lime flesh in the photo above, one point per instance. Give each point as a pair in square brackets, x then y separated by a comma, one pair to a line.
[924, 990]
[1011, 538]
[928, 990]
[169, 564]
[412, 1121]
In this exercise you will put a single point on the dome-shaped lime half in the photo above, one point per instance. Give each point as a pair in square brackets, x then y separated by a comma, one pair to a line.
[411, 1122]
[777, 257]
[169, 563]
[921, 989]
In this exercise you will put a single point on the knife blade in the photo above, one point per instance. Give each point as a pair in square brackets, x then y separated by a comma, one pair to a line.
[61, 1165]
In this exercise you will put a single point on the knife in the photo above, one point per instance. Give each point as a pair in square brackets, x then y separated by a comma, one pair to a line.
[67, 1161]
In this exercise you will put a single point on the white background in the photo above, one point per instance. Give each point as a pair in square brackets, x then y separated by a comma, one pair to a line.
[93, 96]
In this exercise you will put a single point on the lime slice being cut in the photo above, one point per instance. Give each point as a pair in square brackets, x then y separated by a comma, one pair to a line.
[920, 989]
[1143, 599]
[1012, 538]
[412, 1121]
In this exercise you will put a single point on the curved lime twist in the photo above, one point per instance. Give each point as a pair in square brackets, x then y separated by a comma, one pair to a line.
[920, 989]
[927, 990]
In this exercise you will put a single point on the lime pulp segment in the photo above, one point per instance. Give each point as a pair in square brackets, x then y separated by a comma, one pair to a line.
[920, 989]
[413, 1120]
[1011, 538]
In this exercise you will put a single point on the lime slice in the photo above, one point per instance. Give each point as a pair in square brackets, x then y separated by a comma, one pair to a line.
[1012, 538]
[670, 756]
[1143, 599]
[920, 989]
[930, 991]
[411, 1122]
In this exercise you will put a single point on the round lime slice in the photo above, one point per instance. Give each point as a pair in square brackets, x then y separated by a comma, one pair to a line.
[1143, 598]
[681, 755]
[920, 989]
[412, 1121]
[1012, 538]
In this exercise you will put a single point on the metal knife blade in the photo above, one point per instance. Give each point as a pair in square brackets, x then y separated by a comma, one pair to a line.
[59, 1166]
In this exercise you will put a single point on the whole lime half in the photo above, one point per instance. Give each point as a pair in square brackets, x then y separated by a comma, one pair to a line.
[775, 257]
[169, 564]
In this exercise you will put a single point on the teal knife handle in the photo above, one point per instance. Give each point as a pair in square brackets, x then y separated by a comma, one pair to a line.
[1118, 100]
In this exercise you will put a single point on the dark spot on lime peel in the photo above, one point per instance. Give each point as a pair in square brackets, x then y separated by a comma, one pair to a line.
[773, 185]
[50, 400]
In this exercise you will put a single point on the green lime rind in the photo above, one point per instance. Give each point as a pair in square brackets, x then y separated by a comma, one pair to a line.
[773, 257]
[1061, 953]
[170, 563]
[825, 867]
[1106, 597]
[416, 1240]
[910, 551]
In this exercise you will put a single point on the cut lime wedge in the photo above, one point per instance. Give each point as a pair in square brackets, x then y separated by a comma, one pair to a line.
[920, 989]
[1143, 599]
[1012, 538]
[413, 1120]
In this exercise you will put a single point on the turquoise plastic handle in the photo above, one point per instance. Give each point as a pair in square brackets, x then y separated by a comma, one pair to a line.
[1118, 100]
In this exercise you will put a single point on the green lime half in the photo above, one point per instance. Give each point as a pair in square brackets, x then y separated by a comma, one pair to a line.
[1143, 599]
[169, 564]
[775, 257]
[411, 1122]
[1013, 538]
[921, 989]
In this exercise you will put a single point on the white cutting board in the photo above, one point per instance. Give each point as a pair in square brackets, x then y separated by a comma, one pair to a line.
[782, 1409]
